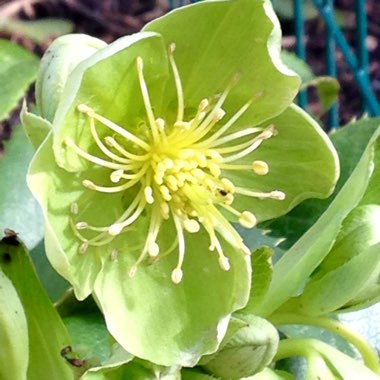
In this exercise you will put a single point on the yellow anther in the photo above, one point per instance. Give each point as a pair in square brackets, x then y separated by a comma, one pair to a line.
[201, 159]
[83, 248]
[160, 124]
[74, 208]
[153, 249]
[110, 141]
[171, 182]
[182, 125]
[168, 163]
[89, 184]
[214, 169]
[83, 108]
[203, 105]
[165, 192]
[165, 210]
[116, 175]
[81, 225]
[132, 271]
[191, 225]
[228, 185]
[198, 173]
[228, 199]
[177, 275]
[148, 193]
[159, 177]
[215, 156]
[278, 195]
[172, 48]
[247, 219]
[115, 229]
[113, 254]
[185, 154]
[224, 263]
[260, 167]
[219, 114]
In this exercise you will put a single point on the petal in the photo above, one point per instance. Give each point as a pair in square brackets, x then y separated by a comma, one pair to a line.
[165, 323]
[302, 163]
[216, 41]
[108, 83]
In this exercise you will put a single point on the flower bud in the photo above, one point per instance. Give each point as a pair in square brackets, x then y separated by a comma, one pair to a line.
[244, 351]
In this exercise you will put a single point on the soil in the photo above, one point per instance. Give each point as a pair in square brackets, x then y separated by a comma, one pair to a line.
[110, 19]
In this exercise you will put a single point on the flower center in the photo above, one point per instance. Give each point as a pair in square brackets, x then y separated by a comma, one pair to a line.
[178, 170]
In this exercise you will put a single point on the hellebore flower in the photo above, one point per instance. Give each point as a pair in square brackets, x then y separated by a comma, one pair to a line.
[159, 141]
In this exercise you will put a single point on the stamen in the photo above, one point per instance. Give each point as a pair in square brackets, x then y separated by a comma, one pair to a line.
[247, 219]
[110, 141]
[102, 147]
[256, 142]
[178, 84]
[113, 254]
[148, 192]
[260, 167]
[145, 95]
[74, 208]
[108, 123]
[83, 248]
[276, 194]
[191, 225]
[177, 272]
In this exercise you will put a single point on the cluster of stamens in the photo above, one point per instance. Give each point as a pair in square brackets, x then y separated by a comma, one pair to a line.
[178, 170]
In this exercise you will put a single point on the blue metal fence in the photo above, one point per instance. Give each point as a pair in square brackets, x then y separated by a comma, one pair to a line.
[357, 60]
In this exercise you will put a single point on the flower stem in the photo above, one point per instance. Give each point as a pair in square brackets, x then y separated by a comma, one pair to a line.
[368, 354]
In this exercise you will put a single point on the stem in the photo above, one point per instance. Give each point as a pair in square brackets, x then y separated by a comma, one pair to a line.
[368, 354]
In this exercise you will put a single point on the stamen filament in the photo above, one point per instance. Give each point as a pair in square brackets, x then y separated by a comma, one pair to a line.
[178, 84]
[116, 128]
[275, 194]
[145, 95]
[102, 147]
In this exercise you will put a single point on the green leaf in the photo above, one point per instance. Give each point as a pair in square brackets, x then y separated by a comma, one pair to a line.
[47, 334]
[293, 269]
[350, 143]
[204, 35]
[18, 69]
[298, 65]
[327, 90]
[14, 355]
[270, 374]
[38, 30]
[19, 210]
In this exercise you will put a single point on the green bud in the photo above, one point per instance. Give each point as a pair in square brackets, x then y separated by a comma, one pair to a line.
[63, 55]
[248, 351]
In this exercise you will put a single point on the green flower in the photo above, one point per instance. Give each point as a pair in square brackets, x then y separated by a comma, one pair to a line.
[159, 141]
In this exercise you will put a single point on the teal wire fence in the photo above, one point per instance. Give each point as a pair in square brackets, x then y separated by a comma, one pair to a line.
[356, 58]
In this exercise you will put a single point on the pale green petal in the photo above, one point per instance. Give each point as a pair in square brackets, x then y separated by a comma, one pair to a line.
[107, 82]
[218, 40]
[165, 323]
[302, 163]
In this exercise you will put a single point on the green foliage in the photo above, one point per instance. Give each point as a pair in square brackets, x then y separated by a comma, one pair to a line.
[46, 333]
[18, 69]
[101, 111]
[38, 30]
